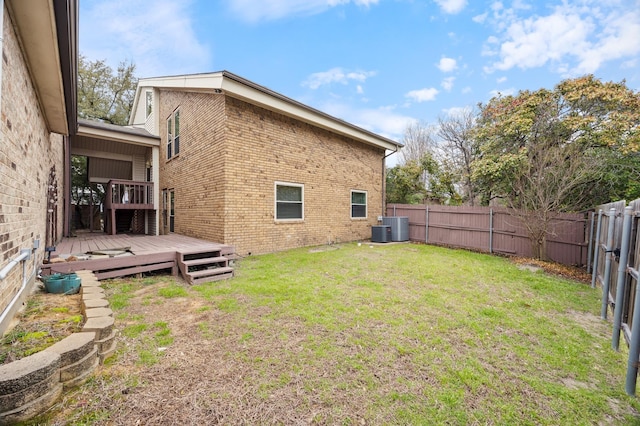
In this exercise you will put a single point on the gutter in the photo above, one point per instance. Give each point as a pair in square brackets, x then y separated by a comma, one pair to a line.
[384, 180]
[1, 46]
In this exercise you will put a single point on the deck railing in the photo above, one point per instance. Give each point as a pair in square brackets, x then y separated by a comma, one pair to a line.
[129, 195]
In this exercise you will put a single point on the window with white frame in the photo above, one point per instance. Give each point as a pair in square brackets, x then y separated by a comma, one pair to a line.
[148, 102]
[289, 201]
[358, 204]
[173, 134]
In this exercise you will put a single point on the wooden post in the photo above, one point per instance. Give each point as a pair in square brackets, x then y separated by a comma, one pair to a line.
[426, 224]
[491, 231]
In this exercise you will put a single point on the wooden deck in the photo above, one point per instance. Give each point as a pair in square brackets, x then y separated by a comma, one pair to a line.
[144, 253]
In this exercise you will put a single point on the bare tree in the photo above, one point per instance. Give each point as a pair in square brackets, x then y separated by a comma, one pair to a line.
[418, 140]
[459, 148]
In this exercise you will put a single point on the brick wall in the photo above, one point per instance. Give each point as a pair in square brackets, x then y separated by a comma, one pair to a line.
[27, 155]
[197, 173]
[269, 147]
[232, 153]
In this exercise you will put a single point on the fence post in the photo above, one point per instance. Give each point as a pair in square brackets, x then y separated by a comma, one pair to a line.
[490, 230]
[596, 251]
[607, 263]
[634, 349]
[394, 210]
[592, 215]
[622, 275]
[426, 224]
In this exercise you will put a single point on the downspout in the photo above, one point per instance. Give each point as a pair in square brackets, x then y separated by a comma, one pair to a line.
[384, 181]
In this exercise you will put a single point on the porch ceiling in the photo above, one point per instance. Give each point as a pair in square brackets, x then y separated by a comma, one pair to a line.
[93, 147]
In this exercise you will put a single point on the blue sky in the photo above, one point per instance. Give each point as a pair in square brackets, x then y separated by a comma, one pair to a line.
[379, 64]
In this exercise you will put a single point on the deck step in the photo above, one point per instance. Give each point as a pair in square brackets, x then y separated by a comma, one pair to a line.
[210, 272]
[206, 261]
[200, 266]
[208, 275]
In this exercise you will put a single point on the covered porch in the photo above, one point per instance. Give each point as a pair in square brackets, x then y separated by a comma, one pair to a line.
[111, 256]
[120, 164]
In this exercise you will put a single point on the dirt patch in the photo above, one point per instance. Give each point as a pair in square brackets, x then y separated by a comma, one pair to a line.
[46, 319]
[557, 269]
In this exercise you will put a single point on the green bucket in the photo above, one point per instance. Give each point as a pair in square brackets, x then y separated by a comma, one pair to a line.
[62, 284]
[71, 284]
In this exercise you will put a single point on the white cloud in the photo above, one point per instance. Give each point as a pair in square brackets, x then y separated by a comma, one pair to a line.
[423, 95]
[503, 92]
[336, 75]
[480, 18]
[267, 10]
[457, 111]
[384, 120]
[501, 80]
[466, 90]
[447, 83]
[447, 64]
[575, 38]
[359, 89]
[451, 6]
[157, 35]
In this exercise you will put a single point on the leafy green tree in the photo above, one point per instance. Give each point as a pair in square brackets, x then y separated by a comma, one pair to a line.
[404, 184]
[555, 150]
[441, 181]
[104, 94]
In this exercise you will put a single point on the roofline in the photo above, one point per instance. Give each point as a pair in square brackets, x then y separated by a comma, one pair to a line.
[47, 33]
[248, 91]
[123, 134]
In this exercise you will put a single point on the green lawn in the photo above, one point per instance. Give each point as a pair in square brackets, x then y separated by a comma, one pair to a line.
[395, 334]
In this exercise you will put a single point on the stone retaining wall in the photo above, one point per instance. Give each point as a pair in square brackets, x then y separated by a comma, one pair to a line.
[31, 385]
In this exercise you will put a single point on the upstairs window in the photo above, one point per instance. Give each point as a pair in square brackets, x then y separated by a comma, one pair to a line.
[289, 201]
[358, 204]
[173, 134]
[148, 103]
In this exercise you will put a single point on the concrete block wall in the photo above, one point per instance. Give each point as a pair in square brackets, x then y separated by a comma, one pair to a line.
[231, 155]
[29, 386]
[28, 153]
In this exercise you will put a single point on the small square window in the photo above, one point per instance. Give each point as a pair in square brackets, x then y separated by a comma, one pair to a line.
[358, 204]
[289, 201]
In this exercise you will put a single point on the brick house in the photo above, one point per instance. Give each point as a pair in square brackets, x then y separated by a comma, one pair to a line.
[38, 112]
[243, 165]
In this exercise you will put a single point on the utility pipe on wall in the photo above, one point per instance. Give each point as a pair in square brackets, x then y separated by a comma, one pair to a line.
[24, 255]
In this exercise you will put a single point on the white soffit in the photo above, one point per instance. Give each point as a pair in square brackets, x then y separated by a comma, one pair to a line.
[111, 135]
[36, 27]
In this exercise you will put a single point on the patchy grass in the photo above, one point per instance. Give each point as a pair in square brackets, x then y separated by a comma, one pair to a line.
[396, 334]
[46, 319]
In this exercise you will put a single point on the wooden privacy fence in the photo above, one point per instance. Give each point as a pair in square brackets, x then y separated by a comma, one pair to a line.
[616, 267]
[494, 230]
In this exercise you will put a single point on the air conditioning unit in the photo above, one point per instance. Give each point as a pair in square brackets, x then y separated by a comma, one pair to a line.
[399, 227]
[380, 234]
